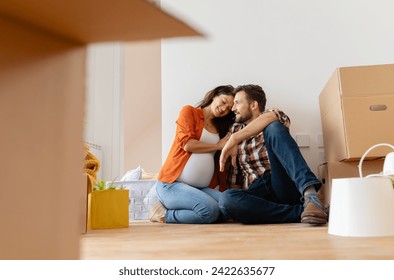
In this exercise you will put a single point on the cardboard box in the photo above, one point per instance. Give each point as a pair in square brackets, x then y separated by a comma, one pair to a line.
[84, 201]
[357, 112]
[345, 169]
[42, 103]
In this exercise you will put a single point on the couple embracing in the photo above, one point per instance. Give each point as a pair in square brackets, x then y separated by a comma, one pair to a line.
[234, 160]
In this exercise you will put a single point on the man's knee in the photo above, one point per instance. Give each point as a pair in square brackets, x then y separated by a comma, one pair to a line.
[275, 131]
[274, 127]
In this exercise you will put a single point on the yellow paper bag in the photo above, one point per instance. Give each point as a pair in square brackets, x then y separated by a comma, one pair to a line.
[108, 209]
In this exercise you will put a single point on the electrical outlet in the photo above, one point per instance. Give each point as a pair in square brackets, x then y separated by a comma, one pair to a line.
[303, 140]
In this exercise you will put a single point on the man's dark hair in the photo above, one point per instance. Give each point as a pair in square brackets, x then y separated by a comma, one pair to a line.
[254, 93]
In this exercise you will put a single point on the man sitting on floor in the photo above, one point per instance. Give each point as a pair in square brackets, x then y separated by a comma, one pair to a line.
[269, 180]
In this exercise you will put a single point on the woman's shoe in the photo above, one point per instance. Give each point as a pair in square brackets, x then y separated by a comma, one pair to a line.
[157, 213]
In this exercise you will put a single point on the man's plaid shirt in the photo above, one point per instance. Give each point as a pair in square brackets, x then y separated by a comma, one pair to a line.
[252, 159]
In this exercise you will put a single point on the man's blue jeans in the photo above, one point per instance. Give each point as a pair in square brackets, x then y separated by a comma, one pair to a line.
[276, 196]
[187, 204]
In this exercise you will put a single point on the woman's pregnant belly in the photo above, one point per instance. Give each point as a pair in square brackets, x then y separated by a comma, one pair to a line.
[199, 170]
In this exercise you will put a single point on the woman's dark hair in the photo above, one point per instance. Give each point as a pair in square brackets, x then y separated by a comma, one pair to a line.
[254, 93]
[222, 124]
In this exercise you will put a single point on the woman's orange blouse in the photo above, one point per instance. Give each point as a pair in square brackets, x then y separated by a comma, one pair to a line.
[190, 124]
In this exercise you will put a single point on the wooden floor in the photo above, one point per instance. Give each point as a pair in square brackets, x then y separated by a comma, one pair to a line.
[144, 240]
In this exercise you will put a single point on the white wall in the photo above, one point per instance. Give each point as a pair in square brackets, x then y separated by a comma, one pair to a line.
[123, 108]
[104, 114]
[288, 47]
[142, 106]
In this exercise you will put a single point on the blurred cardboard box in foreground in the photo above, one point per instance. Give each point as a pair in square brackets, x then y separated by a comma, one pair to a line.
[42, 102]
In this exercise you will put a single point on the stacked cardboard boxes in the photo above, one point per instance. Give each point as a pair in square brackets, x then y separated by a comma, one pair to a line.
[357, 110]
[345, 169]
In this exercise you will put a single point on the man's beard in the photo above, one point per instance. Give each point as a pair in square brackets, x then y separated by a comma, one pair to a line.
[243, 119]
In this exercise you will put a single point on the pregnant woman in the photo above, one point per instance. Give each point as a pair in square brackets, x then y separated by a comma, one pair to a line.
[187, 177]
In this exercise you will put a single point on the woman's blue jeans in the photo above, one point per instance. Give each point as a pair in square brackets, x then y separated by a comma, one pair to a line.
[276, 196]
[188, 205]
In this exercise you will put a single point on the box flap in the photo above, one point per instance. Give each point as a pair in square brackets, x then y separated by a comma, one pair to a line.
[367, 80]
[330, 95]
[89, 21]
[332, 118]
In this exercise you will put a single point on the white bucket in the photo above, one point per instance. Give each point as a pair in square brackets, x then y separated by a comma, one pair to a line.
[362, 207]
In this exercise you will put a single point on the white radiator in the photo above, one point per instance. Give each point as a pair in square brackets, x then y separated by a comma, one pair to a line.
[97, 151]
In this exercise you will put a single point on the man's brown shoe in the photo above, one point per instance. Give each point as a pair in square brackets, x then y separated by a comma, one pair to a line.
[314, 211]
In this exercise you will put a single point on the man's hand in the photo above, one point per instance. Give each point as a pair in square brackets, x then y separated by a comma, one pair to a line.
[253, 128]
[230, 149]
[223, 141]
